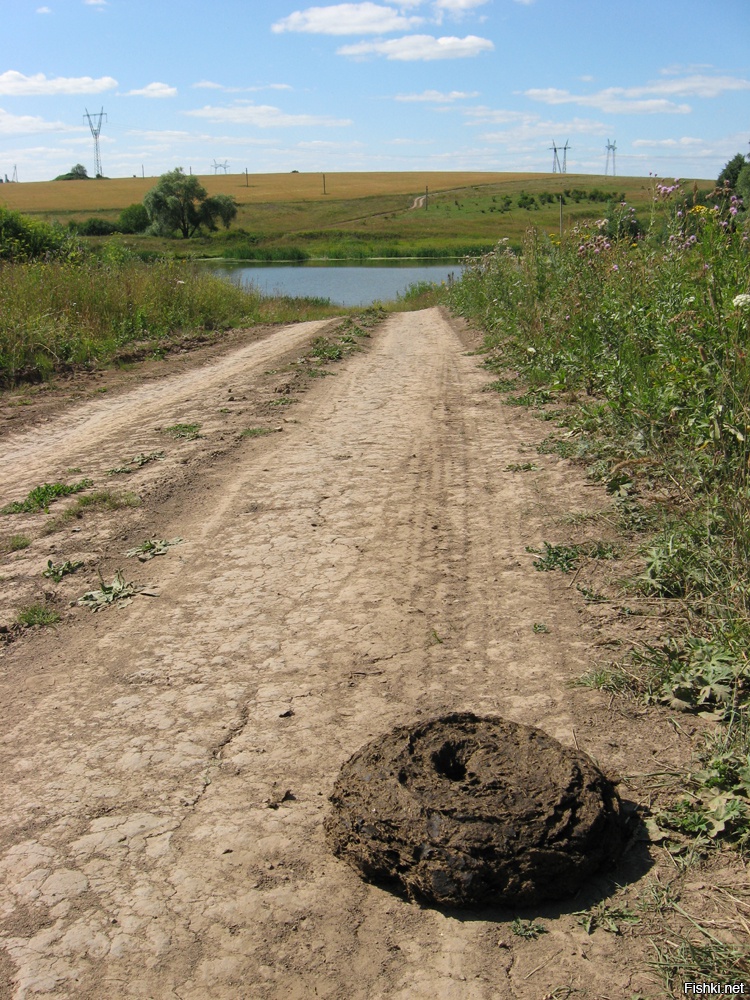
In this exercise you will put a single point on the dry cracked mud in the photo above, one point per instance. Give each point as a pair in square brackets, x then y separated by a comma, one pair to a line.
[167, 764]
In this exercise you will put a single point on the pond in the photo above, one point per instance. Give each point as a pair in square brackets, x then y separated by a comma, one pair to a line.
[346, 283]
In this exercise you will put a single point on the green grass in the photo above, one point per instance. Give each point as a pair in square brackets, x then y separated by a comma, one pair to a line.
[60, 315]
[37, 614]
[254, 432]
[15, 543]
[40, 497]
[190, 432]
[99, 500]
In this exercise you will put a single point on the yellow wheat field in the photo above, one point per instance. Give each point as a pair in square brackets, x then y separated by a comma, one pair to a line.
[94, 196]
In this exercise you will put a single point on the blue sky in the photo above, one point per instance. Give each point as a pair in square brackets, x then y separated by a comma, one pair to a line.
[379, 85]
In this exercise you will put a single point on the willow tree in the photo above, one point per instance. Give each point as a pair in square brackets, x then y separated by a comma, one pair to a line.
[180, 203]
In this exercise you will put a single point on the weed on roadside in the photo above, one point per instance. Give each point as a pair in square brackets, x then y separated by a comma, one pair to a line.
[137, 462]
[253, 432]
[566, 557]
[37, 614]
[324, 350]
[564, 447]
[188, 432]
[607, 916]
[56, 572]
[105, 500]
[140, 460]
[152, 547]
[522, 467]
[501, 385]
[42, 496]
[527, 929]
[109, 593]
[16, 543]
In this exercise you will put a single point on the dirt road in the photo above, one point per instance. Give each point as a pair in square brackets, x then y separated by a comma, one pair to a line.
[167, 764]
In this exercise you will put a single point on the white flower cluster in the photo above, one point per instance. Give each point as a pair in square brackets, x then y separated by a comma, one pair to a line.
[741, 301]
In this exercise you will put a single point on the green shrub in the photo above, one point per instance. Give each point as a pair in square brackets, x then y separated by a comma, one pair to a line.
[133, 219]
[23, 239]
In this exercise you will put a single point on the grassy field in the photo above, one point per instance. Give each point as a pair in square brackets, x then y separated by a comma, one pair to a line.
[360, 215]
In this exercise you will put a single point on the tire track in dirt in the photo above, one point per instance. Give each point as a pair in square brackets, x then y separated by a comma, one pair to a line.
[171, 761]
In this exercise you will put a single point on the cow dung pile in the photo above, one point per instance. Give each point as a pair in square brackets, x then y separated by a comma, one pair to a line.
[465, 811]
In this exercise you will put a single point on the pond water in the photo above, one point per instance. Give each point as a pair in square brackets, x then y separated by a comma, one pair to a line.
[355, 283]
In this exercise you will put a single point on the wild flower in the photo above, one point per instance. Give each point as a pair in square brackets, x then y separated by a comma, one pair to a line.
[741, 301]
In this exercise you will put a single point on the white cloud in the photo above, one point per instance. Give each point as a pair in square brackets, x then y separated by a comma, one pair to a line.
[677, 69]
[264, 116]
[437, 97]
[154, 90]
[210, 85]
[652, 98]
[458, 6]
[44, 10]
[322, 144]
[696, 85]
[95, 3]
[28, 125]
[347, 19]
[410, 142]
[683, 143]
[424, 48]
[612, 100]
[533, 128]
[491, 116]
[15, 84]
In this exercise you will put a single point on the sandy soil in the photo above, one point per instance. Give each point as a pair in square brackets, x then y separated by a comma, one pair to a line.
[167, 764]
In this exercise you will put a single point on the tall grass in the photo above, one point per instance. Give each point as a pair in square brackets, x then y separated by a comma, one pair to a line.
[651, 335]
[58, 314]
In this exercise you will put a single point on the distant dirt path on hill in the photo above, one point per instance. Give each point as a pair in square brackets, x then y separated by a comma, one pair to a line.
[167, 764]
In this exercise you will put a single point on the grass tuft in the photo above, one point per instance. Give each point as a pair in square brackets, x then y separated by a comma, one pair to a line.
[37, 614]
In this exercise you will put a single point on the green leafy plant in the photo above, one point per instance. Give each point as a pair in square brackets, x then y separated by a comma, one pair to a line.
[324, 350]
[561, 557]
[42, 496]
[527, 929]
[152, 547]
[109, 593]
[57, 571]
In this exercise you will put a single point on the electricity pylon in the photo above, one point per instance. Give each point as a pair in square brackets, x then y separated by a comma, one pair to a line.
[95, 130]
